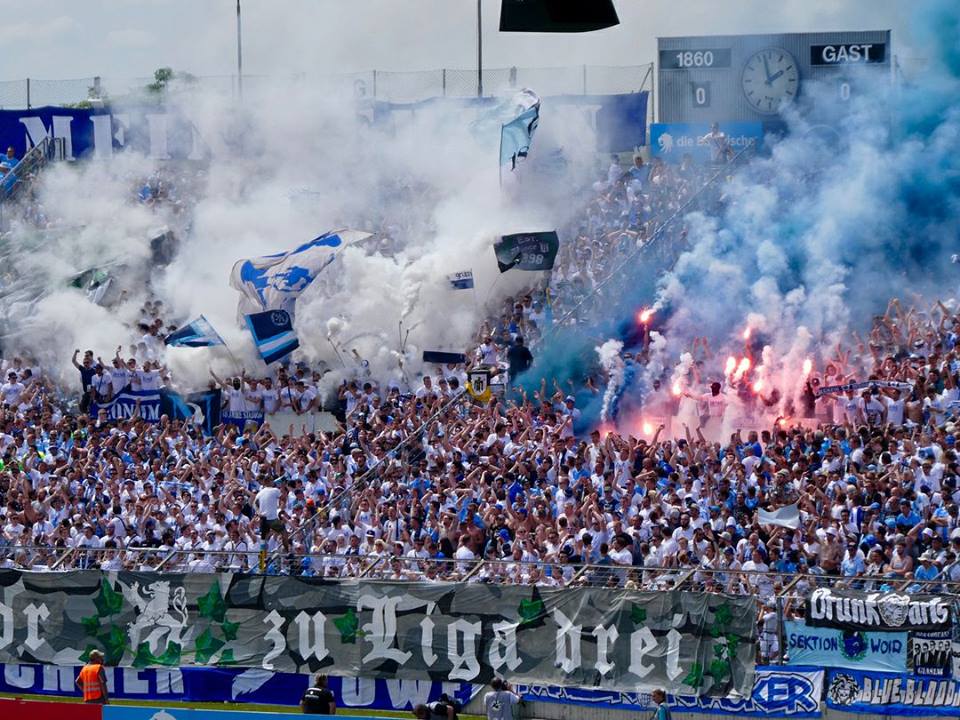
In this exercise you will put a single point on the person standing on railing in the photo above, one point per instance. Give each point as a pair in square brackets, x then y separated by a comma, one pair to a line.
[720, 150]
[92, 680]
[10, 160]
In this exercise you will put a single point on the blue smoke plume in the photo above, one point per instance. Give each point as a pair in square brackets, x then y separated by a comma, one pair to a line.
[815, 237]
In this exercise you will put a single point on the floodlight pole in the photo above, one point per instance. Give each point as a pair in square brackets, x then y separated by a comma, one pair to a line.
[239, 55]
[479, 48]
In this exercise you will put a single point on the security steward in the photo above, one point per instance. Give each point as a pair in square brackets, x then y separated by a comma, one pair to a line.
[93, 680]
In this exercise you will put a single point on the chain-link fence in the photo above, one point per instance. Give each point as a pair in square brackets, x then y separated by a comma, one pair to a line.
[378, 84]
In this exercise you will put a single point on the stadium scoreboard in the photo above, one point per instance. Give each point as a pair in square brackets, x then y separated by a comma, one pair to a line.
[751, 78]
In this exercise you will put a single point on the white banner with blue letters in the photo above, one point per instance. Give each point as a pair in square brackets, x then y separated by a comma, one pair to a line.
[777, 692]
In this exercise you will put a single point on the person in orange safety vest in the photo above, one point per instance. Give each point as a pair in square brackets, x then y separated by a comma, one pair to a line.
[93, 680]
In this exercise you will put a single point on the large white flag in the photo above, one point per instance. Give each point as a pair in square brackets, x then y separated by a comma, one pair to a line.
[788, 516]
[274, 282]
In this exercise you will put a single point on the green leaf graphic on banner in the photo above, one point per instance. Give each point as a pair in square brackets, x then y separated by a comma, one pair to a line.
[109, 601]
[212, 605]
[170, 657]
[207, 645]
[348, 626]
[530, 610]
[694, 678]
[638, 614]
[143, 658]
[226, 657]
[91, 625]
[733, 642]
[86, 653]
[114, 644]
[719, 669]
[230, 630]
[722, 615]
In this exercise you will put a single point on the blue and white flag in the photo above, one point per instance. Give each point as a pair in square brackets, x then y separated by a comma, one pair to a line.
[462, 280]
[199, 333]
[517, 135]
[275, 281]
[273, 334]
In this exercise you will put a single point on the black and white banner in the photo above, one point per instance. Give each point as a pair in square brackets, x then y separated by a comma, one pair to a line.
[852, 610]
[685, 642]
[892, 384]
[929, 653]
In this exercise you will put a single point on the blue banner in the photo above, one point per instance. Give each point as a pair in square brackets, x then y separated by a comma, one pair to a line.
[620, 121]
[232, 685]
[100, 132]
[671, 141]
[240, 418]
[866, 692]
[777, 692]
[854, 649]
[202, 407]
[124, 405]
[120, 712]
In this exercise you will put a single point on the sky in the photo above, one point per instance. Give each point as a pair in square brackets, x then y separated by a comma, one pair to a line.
[66, 39]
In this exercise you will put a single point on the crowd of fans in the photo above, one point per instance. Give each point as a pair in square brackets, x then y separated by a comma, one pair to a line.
[425, 483]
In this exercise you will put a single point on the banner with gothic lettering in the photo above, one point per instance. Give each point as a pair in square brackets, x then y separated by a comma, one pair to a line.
[688, 643]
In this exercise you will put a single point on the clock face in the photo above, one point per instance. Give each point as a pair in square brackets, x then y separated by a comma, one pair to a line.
[770, 79]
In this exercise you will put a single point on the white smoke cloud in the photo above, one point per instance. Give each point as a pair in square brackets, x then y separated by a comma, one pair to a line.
[291, 163]
[612, 363]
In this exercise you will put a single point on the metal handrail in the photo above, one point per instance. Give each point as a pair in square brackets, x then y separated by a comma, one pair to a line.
[33, 159]
[680, 576]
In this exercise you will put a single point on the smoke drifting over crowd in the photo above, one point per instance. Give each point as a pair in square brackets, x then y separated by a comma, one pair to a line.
[281, 169]
[814, 237]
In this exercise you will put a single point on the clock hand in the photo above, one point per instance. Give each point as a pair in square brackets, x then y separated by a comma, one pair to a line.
[774, 76]
[766, 68]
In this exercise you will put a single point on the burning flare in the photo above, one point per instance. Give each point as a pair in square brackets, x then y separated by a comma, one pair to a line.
[742, 368]
[676, 388]
[746, 333]
[807, 366]
[731, 365]
[645, 315]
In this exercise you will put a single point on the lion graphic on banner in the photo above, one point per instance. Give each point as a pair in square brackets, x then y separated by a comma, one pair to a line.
[843, 689]
[162, 613]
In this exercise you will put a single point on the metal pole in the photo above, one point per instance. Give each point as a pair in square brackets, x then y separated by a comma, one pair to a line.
[653, 84]
[239, 55]
[28, 93]
[584, 79]
[479, 48]
[781, 631]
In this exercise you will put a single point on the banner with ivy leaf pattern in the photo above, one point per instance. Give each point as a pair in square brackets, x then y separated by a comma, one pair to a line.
[688, 643]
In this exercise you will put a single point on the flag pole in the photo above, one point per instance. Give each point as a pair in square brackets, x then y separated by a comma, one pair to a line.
[335, 350]
[500, 158]
[233, 357]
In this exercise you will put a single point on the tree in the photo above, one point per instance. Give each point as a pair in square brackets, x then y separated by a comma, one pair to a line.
[161, 77]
